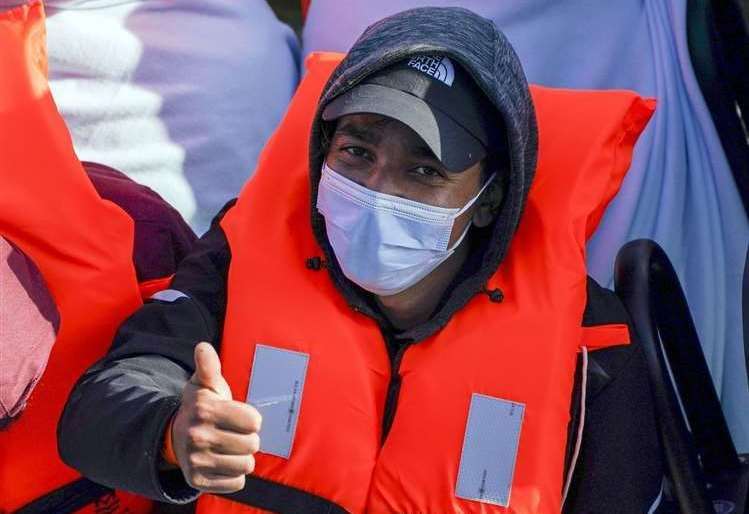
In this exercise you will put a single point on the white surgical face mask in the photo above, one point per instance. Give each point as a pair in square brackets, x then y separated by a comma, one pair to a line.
[385, 243]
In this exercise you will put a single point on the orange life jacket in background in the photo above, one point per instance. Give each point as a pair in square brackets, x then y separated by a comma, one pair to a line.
[83, 248]
[522, 350]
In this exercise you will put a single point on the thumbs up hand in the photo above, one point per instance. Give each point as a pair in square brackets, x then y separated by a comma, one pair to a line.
[214, 437]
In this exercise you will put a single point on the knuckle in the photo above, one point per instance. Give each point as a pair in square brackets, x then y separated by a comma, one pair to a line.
[196, 437]
[203, 394]
[247, 466]
[252, 418]
[235, 485]
[258, 420]
[253, 443]
[195, 460]
[203, 411]
[196, 480]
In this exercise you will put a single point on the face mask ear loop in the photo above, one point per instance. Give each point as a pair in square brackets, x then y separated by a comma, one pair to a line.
[460, 239]
[473, 200]
[464, 209]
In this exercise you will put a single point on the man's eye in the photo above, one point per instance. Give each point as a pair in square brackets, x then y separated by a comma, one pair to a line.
[426, 171]
[356, 151]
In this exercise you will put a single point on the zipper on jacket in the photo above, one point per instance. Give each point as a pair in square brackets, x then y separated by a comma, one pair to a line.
[393, 391]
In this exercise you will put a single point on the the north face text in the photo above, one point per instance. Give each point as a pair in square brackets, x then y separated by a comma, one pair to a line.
[436, 66]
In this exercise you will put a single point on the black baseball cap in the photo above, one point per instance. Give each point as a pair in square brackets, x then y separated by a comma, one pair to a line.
[437, 99]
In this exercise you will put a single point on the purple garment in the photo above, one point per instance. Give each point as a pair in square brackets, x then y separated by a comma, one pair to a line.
[28, 316]
[162, 238]
[28, 326]
[679, 190]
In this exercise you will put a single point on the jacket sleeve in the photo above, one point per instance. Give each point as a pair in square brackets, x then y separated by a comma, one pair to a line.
[113, 424]
[620, 466]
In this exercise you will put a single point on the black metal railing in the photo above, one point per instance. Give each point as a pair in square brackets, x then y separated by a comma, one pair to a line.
[698, 448]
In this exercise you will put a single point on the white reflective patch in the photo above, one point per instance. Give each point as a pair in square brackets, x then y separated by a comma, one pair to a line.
[490, 449]
[276, 387]
[169, 295]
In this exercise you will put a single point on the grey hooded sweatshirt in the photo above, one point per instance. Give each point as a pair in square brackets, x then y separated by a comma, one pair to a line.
[113, 425]
[484, 52]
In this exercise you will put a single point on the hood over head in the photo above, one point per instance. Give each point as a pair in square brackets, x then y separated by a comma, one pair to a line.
[487, 56]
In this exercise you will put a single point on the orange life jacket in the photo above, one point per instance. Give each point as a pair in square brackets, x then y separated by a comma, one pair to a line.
[522, 350]
[83, 248]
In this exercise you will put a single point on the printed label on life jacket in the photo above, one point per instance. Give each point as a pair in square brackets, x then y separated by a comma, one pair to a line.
[490, 449]
[276, 387]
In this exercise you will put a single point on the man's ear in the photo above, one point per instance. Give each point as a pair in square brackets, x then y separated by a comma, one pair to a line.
[489, 202]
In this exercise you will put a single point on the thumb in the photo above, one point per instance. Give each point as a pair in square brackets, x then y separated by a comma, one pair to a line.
[208, 371]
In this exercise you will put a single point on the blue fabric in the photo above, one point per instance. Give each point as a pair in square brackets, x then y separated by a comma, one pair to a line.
[679, 191]
[180, 96]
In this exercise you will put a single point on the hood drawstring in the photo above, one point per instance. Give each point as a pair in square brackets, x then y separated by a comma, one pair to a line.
[315, 263]
[495, 295]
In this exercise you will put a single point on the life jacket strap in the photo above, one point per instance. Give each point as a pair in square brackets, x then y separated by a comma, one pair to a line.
[67, 499]
[275, 497]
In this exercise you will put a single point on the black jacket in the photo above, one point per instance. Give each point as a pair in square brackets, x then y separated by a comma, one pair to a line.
[112, 428]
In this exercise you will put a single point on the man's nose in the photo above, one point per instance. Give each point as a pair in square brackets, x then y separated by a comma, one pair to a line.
[381, 179]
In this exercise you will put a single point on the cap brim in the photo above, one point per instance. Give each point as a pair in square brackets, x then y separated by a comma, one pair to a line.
[451, 144]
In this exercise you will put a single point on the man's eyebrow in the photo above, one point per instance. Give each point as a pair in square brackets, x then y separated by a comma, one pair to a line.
[366, 134]
[373, 135]
[422, 151]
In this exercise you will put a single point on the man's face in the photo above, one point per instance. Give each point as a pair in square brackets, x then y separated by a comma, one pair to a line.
[384, 155]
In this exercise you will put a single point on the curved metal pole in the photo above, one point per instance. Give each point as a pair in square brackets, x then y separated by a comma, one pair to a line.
[647, 285]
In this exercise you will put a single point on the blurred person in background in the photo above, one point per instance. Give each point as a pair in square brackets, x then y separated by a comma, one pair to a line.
[180, 96]
[80, 244]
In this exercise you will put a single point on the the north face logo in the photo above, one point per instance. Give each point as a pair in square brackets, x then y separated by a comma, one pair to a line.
[436, 66]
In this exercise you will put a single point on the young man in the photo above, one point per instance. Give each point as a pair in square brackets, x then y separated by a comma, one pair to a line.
[398, 378]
